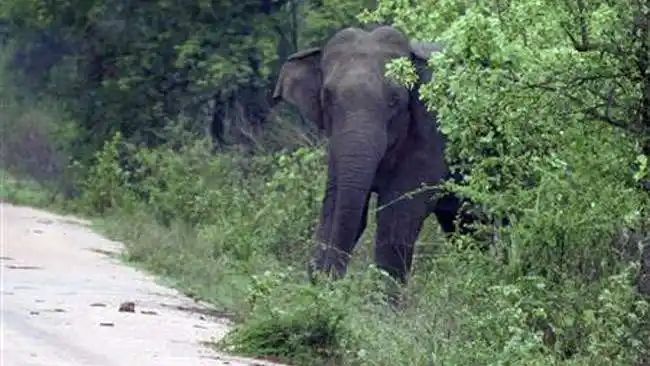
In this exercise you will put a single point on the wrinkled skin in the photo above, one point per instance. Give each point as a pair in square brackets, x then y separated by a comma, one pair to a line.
[381, 140]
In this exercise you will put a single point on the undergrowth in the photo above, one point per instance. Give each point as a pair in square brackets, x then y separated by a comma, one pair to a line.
[23, 191]
[236, 231]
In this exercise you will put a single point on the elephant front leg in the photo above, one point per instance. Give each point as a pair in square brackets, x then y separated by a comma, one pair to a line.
[322, 237]
[328, 257]
[398, 226]
[324, 229]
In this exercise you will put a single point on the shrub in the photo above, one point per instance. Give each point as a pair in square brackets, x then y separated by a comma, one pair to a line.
[22, 191]
[520, 101]
[105, 185]
[261, 204]
[230, 229]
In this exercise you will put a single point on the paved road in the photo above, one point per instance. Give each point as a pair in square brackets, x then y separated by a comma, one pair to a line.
[61, 291]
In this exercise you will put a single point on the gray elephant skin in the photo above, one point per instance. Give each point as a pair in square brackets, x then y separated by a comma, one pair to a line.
[382, 140]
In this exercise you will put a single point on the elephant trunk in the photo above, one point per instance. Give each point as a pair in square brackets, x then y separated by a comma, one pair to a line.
[356, 153]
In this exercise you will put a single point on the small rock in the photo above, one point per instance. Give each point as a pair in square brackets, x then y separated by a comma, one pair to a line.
[106, 324]
[98, 305]
[149, 312]
[34, 313]
[127, 307]
[57, 310]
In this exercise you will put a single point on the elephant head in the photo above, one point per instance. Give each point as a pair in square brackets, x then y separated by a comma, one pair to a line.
[353, 61]
[372, 124]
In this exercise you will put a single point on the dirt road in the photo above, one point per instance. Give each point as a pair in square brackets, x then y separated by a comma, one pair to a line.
[61, 291]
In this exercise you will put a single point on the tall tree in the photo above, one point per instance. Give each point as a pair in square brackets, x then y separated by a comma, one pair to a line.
[141, 65]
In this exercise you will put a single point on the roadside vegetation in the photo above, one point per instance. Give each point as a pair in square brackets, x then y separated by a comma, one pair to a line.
[157, 123]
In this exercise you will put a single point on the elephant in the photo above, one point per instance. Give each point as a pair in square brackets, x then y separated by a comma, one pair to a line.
[381, 139]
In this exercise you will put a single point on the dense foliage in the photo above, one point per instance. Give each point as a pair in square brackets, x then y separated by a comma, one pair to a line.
[545, 105]
[548, 110]
[136, 68]
[241, 229]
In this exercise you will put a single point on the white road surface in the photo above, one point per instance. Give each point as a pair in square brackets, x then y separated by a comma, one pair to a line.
[61, 290]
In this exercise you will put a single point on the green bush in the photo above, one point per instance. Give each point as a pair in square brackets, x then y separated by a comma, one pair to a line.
[520, 100]
[182, 186]
[463, 310]
[293, 321]
[22, 191]
[267, 202]
[290, 204]
[105, 185]
[244, 214]
[308, 323]
[235, 230]
[520, 93]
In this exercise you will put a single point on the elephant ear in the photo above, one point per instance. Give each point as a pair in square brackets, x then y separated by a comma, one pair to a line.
[300, 82]
[421, 117]
[421, 52]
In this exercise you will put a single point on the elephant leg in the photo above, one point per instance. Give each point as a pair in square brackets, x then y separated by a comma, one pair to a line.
[326, 254]
[364, 221]
[324, 230]
[448, 211]
[398, 227]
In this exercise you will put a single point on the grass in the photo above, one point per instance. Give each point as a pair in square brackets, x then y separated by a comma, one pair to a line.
[176, 254]
[24, 191]
[461, 307]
